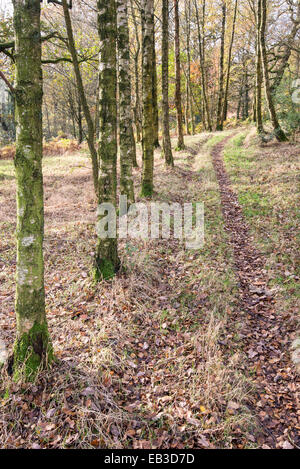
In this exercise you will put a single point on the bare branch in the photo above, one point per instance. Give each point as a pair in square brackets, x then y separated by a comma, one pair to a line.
[12, 89]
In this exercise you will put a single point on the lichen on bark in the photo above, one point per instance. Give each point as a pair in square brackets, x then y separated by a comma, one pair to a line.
[167, 148]
[178, 102]
[32, 343]
[147, 13]
[127, 142]
[106, 260]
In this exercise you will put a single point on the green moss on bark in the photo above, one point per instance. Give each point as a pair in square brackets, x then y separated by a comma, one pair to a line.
[167, 149]
[32, 351]
[107, 249]
[147, 189]
[33, 348]
[104, 270]
[178, 101]
[147, 15]
[127, 141]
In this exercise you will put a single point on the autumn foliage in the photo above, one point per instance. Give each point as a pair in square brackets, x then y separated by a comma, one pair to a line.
[57, 146]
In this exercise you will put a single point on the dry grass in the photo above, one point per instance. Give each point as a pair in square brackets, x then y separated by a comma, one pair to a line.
[140, 359]
[57, 146]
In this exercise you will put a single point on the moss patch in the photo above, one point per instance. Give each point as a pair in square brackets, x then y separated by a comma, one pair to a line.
[147, 190]
[104, 270]
[32, 351]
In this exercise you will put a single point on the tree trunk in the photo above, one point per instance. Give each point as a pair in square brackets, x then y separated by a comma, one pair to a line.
[82, 95]
[225, 105]
[246, 95]
[155, 103]
[106, 260]
[127, 142]
[167, 149]
[147, 9]
[254, 108]
[238, 111]
[80, 128]
[202, 66]
[55, 116]
[192, 110]
[96, 120]
[219, 125]
[279, 133]
[259, 77]
[33, 346]
[48, 122]
[137, 113]
[178, 103]
[137, 107]
[188, 74]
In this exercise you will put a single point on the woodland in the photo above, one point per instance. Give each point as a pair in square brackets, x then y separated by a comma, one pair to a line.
[138, 339]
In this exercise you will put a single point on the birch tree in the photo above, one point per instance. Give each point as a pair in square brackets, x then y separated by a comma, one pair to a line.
[137, 104]
[201, 43]
[33, 346]
[127, 141]
[259, 77]
[167, 149]
[225, 105]
[219, 125]
[155, 93]
[188, 107]
[106, 259]
[147, 14]
[178, 100]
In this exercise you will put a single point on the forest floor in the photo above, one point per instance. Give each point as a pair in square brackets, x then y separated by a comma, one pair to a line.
[183, 349]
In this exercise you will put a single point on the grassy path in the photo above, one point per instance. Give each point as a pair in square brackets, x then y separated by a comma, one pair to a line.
[264, 329]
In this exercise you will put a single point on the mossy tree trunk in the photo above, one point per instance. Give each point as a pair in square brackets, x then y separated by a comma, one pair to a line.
[167, 149]
[147, 14]
[137, 110]
[254, 108]
[259, 77]
[137, 106]
[178, 100]
[188, 107]
[127, 141]
[155, 97]
[96, 121]
[246, 93]
[33, 347]
[219, 125]
[279, 133]
[106, 259]
[205, 103]
[225, 104]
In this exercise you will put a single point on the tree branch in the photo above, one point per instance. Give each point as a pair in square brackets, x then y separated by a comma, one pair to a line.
[7, 45]
[57, 2]
[11, 44]
[68, 59]
[56, 61]
[12, 89]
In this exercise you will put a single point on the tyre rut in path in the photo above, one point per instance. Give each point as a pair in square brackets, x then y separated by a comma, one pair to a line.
[265, 332]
